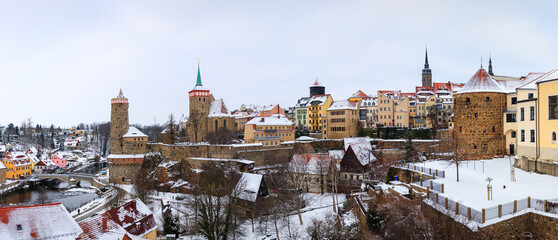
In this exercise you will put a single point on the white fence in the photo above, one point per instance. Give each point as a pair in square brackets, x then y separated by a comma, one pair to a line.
[498, 211]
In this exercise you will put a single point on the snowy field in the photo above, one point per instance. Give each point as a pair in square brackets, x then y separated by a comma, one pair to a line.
[471, 189]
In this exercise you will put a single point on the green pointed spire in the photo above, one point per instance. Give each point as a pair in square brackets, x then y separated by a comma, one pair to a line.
[198, 82]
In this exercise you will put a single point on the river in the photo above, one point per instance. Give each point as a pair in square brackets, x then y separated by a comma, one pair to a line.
[70, 198]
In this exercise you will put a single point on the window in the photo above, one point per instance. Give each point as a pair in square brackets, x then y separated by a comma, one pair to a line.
[510, 117]
[513, 100]
[493, 129]
[522, 111]
[553, 107]
[513, 133]
[532, 113]
[522, 135]
[532, 135]
[530, 96]
[476, 115]
[487, 99]
[553, 137]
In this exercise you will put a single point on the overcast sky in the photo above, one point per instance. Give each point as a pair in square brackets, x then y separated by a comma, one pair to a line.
[62, 61]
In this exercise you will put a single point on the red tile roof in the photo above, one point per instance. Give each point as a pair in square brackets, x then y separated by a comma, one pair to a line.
[134, 216]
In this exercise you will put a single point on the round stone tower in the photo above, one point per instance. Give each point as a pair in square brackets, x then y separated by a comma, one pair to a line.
[317, 89]
[118, 122]
[478, 117]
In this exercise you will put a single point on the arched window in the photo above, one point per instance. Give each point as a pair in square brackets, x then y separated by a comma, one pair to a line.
[487, 99]
[553, 137]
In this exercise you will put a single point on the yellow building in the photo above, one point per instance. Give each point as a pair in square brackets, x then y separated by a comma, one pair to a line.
[342, 120]
[401, 113]
[269, 131]
[386, 107]
[317, 110]
[428, 105]
[547, 120]
[17, 165]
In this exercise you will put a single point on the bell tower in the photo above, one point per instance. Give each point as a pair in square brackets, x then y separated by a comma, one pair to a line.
[426, 73]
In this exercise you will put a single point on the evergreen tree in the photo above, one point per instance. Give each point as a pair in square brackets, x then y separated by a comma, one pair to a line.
[171, 224]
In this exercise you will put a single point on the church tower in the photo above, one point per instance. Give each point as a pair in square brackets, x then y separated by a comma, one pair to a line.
[118, 122]
[200, 99]
[426, 73]
[490, 66]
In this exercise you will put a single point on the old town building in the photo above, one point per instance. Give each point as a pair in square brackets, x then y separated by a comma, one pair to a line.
[208, 117]
[342, 120]
[129, 144]
[269, 130]
[479, 107]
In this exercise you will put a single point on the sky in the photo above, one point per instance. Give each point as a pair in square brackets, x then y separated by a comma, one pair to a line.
[62, 61]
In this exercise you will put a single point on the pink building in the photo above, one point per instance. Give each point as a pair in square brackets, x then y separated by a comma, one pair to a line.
[60, 162]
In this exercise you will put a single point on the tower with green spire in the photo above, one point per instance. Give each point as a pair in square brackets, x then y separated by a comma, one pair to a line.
[426, 73]
[200, 99]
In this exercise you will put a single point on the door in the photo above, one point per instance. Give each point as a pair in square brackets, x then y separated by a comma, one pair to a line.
[512, 149]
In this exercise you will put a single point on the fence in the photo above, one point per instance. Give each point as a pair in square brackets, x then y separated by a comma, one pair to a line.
[430, 171]
[501, 210]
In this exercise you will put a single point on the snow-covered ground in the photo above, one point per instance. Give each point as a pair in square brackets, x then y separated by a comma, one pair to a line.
[471, 190]
[318, 206]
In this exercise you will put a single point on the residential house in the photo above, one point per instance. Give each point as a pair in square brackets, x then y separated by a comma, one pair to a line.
[46, 221]
[251, 190]
[317, 111]
[135, 217]
[269, 131]
[17, 164]
[314, 170]
[342, 120]
[355, 164]
[59, 161]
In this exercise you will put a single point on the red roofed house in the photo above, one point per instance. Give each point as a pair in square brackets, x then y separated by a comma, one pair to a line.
[354, 166]
[60, 162]
[47, 221]
[135, 217]
[102, 227]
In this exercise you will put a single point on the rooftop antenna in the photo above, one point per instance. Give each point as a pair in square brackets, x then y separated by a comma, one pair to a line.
[481, 62]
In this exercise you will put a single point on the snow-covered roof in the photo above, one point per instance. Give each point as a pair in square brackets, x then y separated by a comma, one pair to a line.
[244, 161]
[482, 82]
[317, 84]
[2, 166]
[217, 108]
[93, 229]
[363, 151]
[348, 141]
[274, 120]
[369, 102]
[343, 104]
[316, 164]
[134, 132]
[552, 75]
[305, 138]
[359, 94]
[317, 99]
[47, 221]
[126, 156]
[134, 216]
[532, 78]
[302, 102]
[249, 185]
[199, 88]
[336, 154]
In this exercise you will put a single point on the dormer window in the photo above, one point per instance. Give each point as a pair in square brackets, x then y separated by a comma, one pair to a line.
[19, 227]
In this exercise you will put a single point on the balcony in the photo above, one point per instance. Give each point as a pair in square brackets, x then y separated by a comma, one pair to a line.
[267, 138]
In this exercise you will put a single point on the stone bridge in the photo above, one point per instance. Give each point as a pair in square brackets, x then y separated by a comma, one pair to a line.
[76, 177]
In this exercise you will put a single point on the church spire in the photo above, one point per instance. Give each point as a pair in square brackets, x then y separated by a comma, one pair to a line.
[426, 72]
[198, 81]
[490, 65]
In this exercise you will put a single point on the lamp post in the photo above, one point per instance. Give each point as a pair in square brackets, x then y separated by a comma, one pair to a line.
[489, 189]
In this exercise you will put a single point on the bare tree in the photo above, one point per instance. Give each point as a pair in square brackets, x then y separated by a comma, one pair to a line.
[215, 202]
[297, 179]
[171, 129]
[143, 184]
[196, 123]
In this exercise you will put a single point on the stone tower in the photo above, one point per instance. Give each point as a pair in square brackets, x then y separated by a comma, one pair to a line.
[478, 122]
[317, 89]
[426, 73]
[118, 122]
[200, 98]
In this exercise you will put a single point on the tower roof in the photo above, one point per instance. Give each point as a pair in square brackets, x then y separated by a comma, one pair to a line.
[426, 69]
[198, 81]
[481, 82]
[120, 98]
[490, 66]
[317, 84]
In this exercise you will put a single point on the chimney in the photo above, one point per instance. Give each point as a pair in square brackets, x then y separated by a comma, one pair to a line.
[262, 120]
[104, 224]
